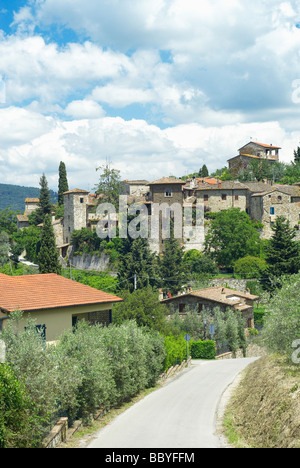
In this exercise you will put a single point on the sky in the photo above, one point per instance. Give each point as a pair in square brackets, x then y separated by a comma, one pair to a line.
[153, 88]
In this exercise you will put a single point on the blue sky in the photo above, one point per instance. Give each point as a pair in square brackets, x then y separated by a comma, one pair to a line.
[156, 88]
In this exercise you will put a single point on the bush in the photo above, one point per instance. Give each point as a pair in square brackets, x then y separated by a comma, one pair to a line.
[176, 351]
[89, 368]
[14, 406]
[203, 350]
[250, 267]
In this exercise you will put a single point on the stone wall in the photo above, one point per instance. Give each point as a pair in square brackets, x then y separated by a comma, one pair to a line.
[90, 262]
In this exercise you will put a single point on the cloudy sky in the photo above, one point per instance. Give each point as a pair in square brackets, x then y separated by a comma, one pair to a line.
[154, 87]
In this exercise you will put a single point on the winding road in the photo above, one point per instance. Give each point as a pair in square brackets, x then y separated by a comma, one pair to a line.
[181, 413]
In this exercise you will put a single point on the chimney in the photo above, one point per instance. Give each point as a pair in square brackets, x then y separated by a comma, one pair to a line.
[52, 217]
[223, 294]
[160, 294]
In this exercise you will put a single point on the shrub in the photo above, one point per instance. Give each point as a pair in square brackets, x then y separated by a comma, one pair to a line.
[203, 349]
[250, 267]
[176, 351]
[14, 406]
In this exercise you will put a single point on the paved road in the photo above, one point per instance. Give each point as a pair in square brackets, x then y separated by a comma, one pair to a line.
[180, 414]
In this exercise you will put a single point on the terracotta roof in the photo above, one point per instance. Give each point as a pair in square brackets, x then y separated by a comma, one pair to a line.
[227, 296]
[265, 146]
[48, 291]
[22, 218]
[136, 182]
[167, 180]
[261, 144]
[76, 190]
[32, 200]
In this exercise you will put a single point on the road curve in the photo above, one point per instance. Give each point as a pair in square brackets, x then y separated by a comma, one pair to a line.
[181, 413]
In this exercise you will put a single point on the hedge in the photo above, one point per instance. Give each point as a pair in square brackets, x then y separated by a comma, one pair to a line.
[203, 349]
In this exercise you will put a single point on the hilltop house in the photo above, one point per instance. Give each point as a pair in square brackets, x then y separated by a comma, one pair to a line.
[54, 302]
[252, 151]
[210, 298]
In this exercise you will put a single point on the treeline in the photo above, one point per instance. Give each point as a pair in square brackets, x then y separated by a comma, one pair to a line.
[13, 196]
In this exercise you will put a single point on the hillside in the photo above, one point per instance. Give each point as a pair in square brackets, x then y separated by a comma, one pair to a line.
[14, 196]
[264, 411]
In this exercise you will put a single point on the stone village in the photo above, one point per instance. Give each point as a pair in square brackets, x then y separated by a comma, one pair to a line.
[263, 201]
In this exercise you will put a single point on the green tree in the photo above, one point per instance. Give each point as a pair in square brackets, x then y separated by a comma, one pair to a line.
[171, 265]
[282, 317]
[250, 267]
[297, 155]
[203, 172]
[232, 235]
[139, 261]
[48, 259]
[109, 185]
[199, 266]
[44, 206]
[4, 248]
[8, 220]
[144, 307]
[258, 169]
[29, 239]
[14, 409]
[63, 185]
[283, 255]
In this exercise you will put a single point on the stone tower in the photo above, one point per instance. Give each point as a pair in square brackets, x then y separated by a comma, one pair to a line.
[75, 212]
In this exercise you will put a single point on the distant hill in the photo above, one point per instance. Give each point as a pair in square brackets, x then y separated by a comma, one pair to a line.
[14, 196]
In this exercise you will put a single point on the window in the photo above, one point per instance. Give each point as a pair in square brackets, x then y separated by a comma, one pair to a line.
[236, 197]
[168, 193]
[224, 196]
[279, 197]
[272, 210]
[200, 308]
[181, 308]
[205, 197]
[81, 200]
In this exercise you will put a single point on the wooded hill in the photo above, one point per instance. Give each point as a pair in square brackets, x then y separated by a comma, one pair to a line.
[14, 196]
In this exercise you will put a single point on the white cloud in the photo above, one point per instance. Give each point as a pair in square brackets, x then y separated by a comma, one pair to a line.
[215, 73]
[85, 109]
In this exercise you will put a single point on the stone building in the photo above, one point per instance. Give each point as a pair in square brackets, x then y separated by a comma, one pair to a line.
[31, 204]
[135, 188]
[165, 193]
[211, 298]
[277, 201]
[252, 151]
[75, 212]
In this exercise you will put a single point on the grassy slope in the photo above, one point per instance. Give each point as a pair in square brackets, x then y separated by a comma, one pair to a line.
[264, 411]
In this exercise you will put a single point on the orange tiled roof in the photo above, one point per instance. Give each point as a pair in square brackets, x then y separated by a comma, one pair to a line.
[266, 146]
[48, 291]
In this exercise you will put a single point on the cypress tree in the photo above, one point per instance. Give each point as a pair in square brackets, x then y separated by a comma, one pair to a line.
[283, 256]
[48, 258]
[297, 155]
[138, 261]
[171, 265]
[44, 205]
[63, 185]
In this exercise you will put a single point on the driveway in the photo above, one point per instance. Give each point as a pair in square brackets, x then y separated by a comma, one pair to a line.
[181, 413]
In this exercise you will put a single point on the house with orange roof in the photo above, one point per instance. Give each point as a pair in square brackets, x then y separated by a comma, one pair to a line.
[253, 151]
[55, 303]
